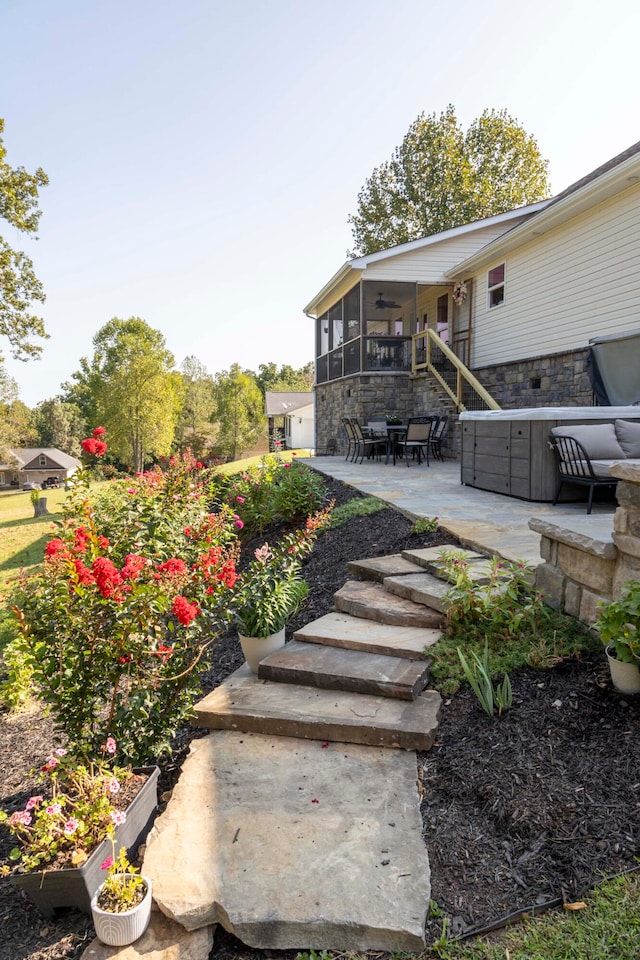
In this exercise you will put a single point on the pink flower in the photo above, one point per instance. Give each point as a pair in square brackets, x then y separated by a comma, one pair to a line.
[239, 499]
[286, 466]
[32, 802]
[113, 785]
[106, 864]
[21, 817]
[118, 817]
[99, 432]
[60, 752]
[70, 827]
[110, 746]
[239, 524]
[54, 808]
[50, 763]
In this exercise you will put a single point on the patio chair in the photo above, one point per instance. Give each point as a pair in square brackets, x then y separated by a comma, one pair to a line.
[377, 426]
[351, 437]
[438, 435]
[417, 439]
[365, 445]
[575, 466]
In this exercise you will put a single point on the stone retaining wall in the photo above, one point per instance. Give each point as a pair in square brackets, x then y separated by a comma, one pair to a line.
[580, 571]
[557, 379]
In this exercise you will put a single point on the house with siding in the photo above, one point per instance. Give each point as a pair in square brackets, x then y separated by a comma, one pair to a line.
[35, 464]
[496, 313]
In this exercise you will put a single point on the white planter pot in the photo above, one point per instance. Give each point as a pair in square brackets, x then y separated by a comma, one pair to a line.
[121, 929]
[625, 676]
[256, 649]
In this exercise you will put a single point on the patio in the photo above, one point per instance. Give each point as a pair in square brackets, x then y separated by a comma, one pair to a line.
[488, 522]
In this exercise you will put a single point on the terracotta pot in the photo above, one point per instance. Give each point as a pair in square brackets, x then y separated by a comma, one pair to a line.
[74, 886]
[256, 649]
[121, 929]
[625, 676]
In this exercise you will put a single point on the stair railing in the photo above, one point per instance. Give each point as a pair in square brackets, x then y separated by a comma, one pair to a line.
[430, 353]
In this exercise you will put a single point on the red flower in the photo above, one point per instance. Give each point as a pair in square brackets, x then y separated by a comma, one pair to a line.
[89, 445]
[185, 611]
[174, 567]
[84, 574]
[107, 576]
[54, 547]
[133, 566]
[81, 539]
[101, 448]
[228, 574]
[99, 432]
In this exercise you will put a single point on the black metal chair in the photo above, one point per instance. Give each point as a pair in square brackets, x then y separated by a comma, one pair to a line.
[438, 436]
[366, 445]
[351, 437]
[417, 439]
[575, 466]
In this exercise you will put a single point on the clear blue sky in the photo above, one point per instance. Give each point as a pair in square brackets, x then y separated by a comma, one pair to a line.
[204, 155]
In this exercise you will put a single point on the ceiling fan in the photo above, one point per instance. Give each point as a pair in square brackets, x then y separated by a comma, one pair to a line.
[382, 304]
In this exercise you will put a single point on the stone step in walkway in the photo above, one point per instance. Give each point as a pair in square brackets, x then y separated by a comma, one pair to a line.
[370, 601]
[333, 668]
[351, 633]
[243, 702]
[294, 844]
[421, 588]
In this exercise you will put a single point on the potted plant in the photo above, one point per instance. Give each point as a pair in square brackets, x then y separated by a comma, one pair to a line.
[271, 589]
[121, 906]
[63, 833]
[619, 626]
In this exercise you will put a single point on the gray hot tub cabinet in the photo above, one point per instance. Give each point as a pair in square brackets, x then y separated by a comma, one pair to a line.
[506, 451]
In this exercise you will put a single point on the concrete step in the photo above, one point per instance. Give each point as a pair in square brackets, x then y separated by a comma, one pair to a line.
[422, 588]
[243, 702]
[372, 602]
[352, 633]
[294, 845]
[377, 568]
[332, 668]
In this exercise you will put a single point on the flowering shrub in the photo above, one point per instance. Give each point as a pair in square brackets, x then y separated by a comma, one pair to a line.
[271, 588]
[77, 810]
[114, 629]
[286, 491]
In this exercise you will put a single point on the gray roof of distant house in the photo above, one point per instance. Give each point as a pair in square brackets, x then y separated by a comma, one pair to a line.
[279, 404]
[27, 454]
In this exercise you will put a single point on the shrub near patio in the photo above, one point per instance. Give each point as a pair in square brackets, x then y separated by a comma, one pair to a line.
[134, 591]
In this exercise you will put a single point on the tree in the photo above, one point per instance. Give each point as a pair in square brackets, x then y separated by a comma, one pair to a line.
[19, 286]
[16, 421]
[441, 177]
[269, 377]
[239, 411]
[60, 425]
[135, 392]
[195, 428]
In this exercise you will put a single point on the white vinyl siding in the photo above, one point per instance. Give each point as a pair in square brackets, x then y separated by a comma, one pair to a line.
[579, 281]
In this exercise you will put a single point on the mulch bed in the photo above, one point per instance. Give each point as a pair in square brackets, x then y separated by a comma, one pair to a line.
[518, 811]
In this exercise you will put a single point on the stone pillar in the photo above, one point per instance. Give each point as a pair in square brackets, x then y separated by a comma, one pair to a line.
[626, 525]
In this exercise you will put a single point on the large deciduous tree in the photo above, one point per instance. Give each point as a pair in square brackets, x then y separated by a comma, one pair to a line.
[61, 425]
[270, 377]
[19, 286]
[16, 420]
[135, 390]
[441, 177]
[195, 428]
[239, 411]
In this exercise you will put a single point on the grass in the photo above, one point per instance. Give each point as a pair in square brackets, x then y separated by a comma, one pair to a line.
[358, 507]
[237, 466]
[607, 927]
[23, 536]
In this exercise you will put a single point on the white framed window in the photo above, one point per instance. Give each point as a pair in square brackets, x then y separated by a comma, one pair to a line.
[495, 285]
[42, 460]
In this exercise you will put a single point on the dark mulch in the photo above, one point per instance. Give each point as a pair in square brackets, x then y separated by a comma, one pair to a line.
[517, 810]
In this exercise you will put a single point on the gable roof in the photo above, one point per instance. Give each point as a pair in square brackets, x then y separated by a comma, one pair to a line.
[25, 455]
[277, 404]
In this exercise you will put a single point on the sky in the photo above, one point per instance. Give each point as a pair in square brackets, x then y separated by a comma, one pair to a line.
[204, 156]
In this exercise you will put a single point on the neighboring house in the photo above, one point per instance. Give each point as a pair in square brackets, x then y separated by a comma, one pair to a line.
[516, 297]
[35, 464]
[291, 418]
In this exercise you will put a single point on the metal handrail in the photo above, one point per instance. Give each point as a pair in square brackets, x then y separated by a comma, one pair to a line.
[430, 340]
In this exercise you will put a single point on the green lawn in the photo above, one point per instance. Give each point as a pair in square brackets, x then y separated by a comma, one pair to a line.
[23, 536]
[236, 466]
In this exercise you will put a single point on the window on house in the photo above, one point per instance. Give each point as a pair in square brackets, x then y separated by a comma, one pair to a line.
[495, 285]
[42, 460]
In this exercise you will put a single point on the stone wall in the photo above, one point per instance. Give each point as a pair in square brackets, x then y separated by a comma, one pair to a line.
[558, 379]
[580, 571]
[361, 396]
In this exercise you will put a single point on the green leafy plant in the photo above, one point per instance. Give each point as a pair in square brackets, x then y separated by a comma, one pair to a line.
[271, 589]
[478, 673]
[116, 637]
[124, 888]
[424, 525]
[356, 507]
[619, 623]
[76, 811]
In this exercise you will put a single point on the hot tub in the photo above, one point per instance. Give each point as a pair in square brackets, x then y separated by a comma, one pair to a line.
[506, 451]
